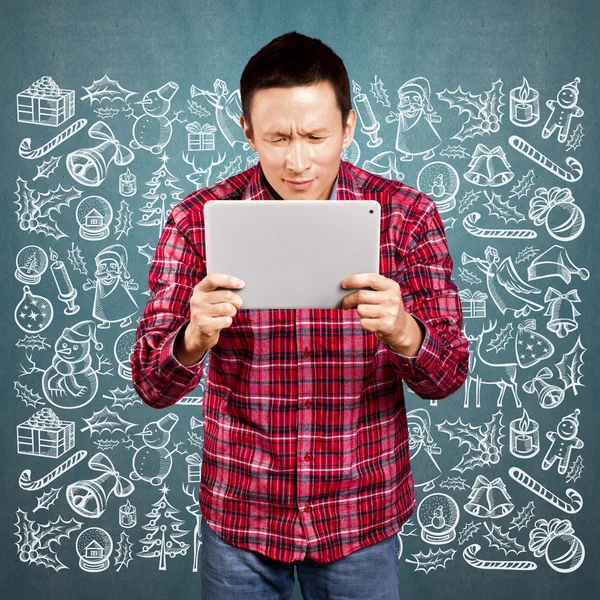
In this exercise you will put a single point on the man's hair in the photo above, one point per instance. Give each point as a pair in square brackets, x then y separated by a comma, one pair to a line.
[291, 60]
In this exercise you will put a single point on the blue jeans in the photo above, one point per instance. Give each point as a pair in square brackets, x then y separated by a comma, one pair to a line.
[230, 573]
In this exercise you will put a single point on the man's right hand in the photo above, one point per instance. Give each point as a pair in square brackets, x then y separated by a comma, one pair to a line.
[212, 308]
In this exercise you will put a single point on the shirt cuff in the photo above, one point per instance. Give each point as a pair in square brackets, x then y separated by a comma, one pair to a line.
[413, 367]
[170, 367]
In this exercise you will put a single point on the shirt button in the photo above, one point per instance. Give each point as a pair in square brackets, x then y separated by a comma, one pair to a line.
[308, 403]
[307, 508]
[307, 457]
[306, 352]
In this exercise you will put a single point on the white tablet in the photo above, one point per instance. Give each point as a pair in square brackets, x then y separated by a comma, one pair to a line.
[292, 253]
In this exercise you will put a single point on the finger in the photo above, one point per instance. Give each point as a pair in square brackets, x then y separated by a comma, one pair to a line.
[222, 311]
[215, 281]
[360, 297]
[366, 280]
[222, 296]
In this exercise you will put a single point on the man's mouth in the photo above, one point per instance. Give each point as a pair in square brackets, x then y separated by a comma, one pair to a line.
[299, 185]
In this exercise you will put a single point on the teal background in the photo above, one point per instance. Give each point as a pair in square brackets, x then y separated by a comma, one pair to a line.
[143, 45]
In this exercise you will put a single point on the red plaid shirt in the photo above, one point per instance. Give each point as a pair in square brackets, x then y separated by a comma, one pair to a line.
[305, 435]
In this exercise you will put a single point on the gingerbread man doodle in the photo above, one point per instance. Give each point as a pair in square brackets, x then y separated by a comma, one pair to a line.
[562, 110]
[564, 440]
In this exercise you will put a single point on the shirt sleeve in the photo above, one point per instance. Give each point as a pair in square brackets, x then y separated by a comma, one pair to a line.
[424, 274]
[158, 377]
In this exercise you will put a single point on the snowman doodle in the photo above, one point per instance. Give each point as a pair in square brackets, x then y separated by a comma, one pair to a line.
[564, 439]
[113, 302]
[562, 111]
[152, 130]
[71, 381]
[152, 462]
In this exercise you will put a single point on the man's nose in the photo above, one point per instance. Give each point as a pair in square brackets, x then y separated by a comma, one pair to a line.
[297, 157]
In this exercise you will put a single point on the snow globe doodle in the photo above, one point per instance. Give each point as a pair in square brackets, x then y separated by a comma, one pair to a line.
[94, 215]
[440, 182]
[32, 262]
[33, 313]
[351, 154]
[438, 515]
[124, 351]
[94, 547]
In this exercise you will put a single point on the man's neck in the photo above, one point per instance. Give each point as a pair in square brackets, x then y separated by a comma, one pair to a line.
[273, 193]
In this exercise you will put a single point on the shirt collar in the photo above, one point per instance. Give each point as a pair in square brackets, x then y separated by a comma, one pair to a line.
[257, 190]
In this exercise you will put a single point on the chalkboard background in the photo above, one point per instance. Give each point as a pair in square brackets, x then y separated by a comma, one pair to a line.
[471, 55]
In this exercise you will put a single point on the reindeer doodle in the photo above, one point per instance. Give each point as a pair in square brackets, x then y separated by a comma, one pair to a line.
[502, 375]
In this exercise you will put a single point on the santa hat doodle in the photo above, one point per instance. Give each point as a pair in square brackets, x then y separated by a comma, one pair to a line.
[572, 86]
[82, 332]
[573, 418]
[419, 85]
[118, 252]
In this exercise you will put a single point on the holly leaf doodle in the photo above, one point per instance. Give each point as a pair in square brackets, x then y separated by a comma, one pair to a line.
[432, 560]
[498, 539]
[106, 420]
[106, 89]
[35, 539]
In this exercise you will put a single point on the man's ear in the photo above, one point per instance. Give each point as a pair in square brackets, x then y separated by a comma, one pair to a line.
[247, 132]
[349, 128]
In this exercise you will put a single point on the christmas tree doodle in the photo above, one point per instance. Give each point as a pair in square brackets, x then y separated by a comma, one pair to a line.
[162, 186]
[158, 543]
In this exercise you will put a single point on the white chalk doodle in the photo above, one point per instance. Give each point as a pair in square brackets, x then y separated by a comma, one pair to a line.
[575, 500]
[369, 125]
[32, 262]
[153, 130]
[416, 134]
[524, 105]
[89, 166]
[525, 148]
[562, 111]
[89, 497]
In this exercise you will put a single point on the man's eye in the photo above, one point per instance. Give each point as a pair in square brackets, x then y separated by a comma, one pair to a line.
[312, 137]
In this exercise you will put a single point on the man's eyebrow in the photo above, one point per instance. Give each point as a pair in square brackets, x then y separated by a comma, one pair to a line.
[319, 130]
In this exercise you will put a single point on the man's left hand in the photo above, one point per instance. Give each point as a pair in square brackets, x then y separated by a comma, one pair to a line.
[381, 310]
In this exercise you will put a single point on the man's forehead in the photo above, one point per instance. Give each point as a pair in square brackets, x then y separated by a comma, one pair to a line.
[280, 129]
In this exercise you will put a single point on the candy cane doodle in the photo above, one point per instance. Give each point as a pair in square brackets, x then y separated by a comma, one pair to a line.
[536, 156]
[25, 477]
[25, 150]
[510, 565]
[472, 218]
[537, 488]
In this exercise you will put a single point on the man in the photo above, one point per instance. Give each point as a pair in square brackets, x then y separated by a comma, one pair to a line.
[305, 458]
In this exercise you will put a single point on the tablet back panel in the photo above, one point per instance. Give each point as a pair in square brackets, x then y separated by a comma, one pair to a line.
[292, 253]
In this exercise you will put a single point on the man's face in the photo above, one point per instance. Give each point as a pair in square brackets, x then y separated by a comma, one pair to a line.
[298, 135]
